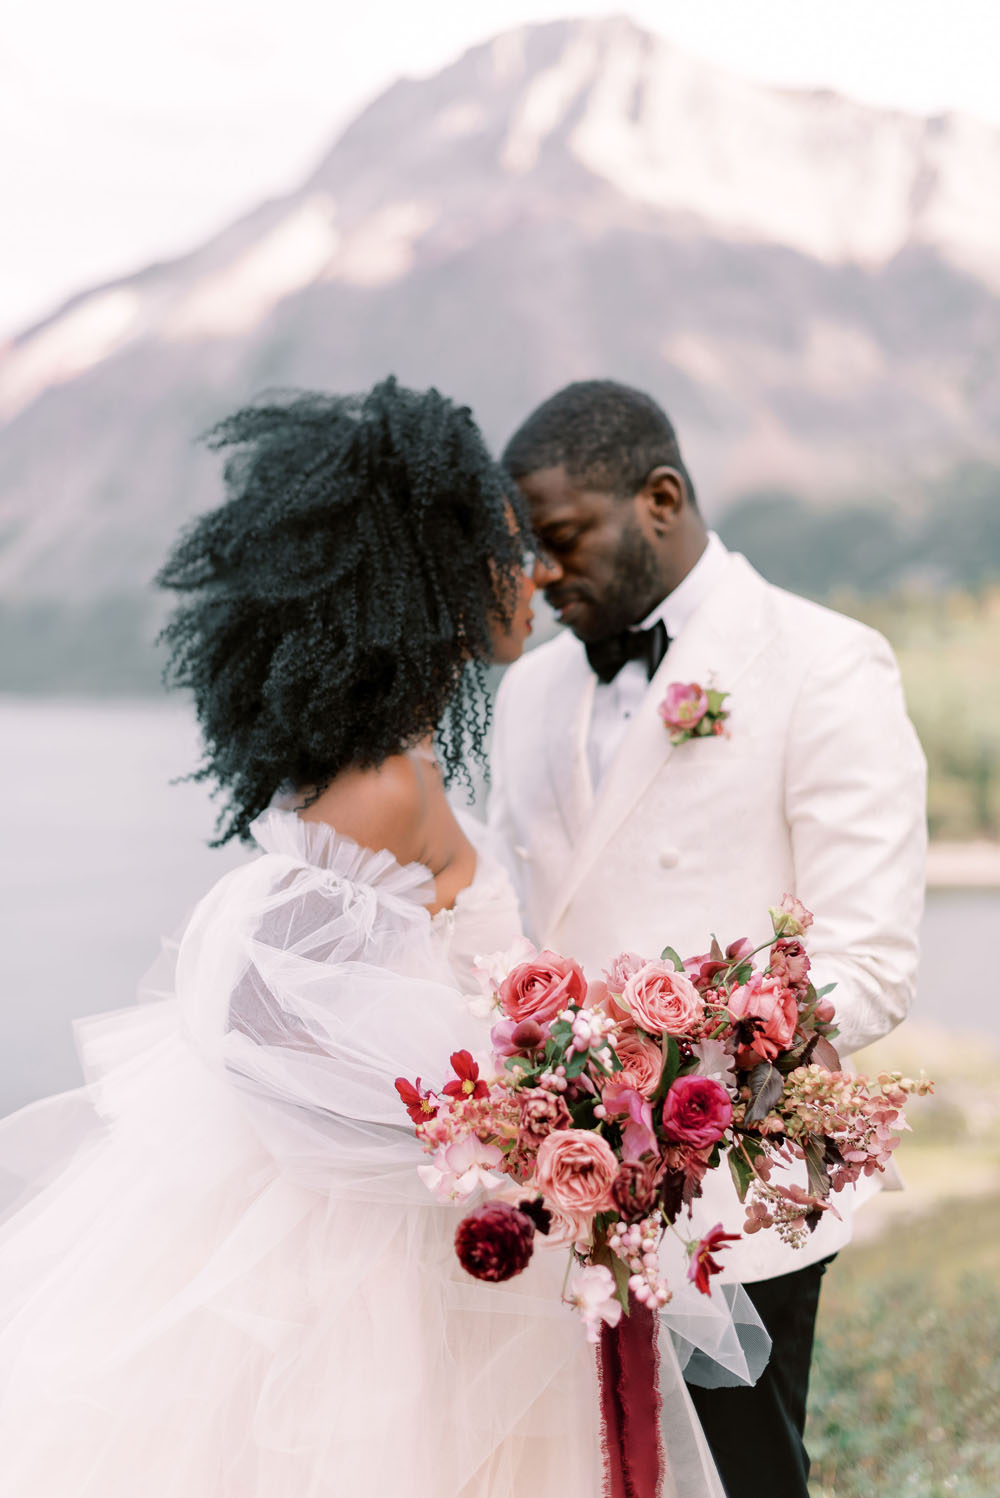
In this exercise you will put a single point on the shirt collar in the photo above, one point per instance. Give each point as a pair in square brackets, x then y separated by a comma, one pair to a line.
[678, 606]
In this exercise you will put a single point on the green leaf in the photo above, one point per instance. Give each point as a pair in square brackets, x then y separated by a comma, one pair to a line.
[715, 700]
[821, 993]
[742, 1173]
[824, 1054]
[819, 1175]
[671, 1066]
[576, 1064]
[621, 1273]
[669, 955]
[766, 1087]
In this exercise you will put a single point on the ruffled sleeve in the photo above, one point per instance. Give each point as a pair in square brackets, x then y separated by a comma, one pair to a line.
[311, 979]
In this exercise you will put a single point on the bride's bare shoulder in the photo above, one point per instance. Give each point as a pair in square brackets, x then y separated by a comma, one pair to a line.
[383, 807]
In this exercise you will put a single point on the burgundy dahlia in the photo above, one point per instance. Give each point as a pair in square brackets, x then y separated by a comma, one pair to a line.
[495, 1241]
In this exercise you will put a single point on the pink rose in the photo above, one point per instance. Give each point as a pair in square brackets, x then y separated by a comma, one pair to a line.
[541, 987]
[661, 999]
[576, 1170]
[684, 706]
[776, 1008]
[789, 962]
[641, 1059]
[567, 1227]
[625, 965]
[696, 1111]
[790, 918]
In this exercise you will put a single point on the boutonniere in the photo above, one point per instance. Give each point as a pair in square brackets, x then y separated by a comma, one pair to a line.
[691, 712]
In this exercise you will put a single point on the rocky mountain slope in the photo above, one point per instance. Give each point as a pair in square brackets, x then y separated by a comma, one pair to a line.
[811, 286]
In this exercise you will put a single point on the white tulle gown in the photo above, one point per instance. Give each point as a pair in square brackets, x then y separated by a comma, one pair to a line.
[225, 1279]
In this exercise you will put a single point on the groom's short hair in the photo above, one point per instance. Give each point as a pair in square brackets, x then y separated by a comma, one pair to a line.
[607, 436]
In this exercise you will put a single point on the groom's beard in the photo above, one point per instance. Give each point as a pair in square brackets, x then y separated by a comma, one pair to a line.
[633, 590]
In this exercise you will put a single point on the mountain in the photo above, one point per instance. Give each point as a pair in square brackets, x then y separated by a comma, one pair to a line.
[811, 287]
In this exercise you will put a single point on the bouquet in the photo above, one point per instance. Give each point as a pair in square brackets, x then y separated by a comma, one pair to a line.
[604, 1105]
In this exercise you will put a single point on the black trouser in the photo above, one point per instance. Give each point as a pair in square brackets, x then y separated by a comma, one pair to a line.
[756, 1434]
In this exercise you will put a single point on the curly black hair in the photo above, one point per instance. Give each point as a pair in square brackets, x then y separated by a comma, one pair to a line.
[339, 606]
[606, 435]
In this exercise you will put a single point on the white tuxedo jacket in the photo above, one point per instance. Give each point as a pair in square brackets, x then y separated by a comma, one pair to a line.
[817, 789]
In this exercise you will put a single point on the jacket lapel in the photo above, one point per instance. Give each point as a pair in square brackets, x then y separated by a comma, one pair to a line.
[567, 708]
[718, 643]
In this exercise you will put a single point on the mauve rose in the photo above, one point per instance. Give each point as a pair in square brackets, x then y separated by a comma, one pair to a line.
[790, 918]
[575, 1170]
[660, 999]
[636, 1188]
[789, 961]
[641, 1059]
[540, 988]
[622, 969]
[696, 1111]
[684, 706]
[767, 1000]
[541, 1112]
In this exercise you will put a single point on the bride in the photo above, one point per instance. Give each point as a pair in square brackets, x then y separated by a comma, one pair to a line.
[225, 1278]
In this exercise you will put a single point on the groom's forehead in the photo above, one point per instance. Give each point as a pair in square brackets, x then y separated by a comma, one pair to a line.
[554, 496]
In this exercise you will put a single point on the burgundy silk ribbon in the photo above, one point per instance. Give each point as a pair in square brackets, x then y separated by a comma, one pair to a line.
[630, 1405]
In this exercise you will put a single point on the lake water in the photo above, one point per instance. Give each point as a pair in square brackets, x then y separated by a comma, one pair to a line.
[100, 855]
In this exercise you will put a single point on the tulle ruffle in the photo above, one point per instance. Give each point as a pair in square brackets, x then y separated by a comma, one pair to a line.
[225, 1279]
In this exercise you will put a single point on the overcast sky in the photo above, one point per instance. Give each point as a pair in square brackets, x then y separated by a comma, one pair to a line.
[131, 129]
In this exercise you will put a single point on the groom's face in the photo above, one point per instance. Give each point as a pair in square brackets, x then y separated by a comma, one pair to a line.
[599, 568]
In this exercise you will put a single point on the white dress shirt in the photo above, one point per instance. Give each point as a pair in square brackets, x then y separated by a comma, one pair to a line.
[616, 702]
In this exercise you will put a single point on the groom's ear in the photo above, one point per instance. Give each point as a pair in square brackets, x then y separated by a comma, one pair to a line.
[663, 496]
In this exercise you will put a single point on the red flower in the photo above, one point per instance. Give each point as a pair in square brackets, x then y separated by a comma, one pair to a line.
[495, 1241]
[467, 1083]
[417, 1104]
[696, 1111]
[702, 1265]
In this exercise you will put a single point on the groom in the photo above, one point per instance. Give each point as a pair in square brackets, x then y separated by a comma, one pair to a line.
[621, 841]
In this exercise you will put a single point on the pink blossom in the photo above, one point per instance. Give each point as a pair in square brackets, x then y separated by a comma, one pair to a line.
[458, 1169]
[790, 918]
[515, 1037]
[641, 1059]
[622, 1101]
[715, 1061]
[591, 1291]
[575, 1170]
[776, 1010]
[541, 987]
[660, 999]
[684, 706]
[696, 1111]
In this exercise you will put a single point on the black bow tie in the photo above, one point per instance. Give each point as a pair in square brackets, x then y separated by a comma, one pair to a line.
[607, 657]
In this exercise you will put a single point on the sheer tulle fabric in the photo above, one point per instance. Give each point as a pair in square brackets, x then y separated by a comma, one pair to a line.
[227, 1280]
